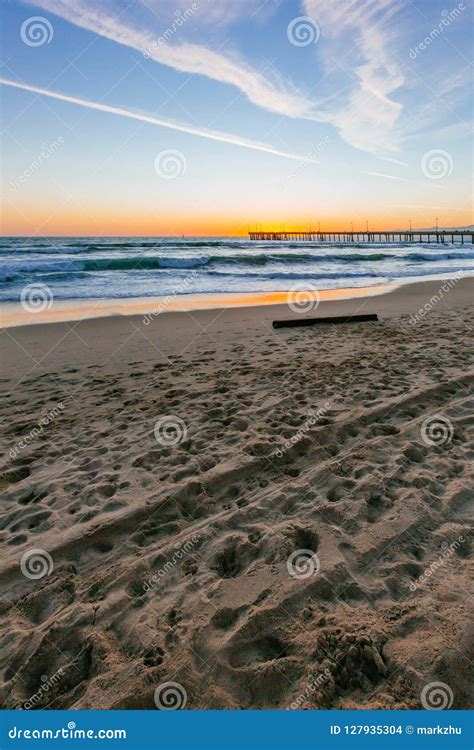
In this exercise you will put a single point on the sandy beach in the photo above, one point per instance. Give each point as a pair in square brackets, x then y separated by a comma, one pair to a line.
[267, 518]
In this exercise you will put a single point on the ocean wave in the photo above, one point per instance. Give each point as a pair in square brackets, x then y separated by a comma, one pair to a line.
[95, 267]
[76, 246]
[210, 261]
[64, 246]
[294, 275]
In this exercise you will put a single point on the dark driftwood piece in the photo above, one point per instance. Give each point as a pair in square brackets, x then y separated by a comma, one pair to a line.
[323, 321]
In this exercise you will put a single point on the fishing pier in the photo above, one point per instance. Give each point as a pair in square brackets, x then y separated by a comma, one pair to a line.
[439, 236]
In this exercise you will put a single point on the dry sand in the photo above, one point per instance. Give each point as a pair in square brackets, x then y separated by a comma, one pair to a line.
[170, 559]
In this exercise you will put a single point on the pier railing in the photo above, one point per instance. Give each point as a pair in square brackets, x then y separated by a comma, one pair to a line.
[439, 236]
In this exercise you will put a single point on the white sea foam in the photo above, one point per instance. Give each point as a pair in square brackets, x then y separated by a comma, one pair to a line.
[138, 267]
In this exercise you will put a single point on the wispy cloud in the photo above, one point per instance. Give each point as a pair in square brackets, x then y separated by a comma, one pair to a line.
[357, 35]
[212, 135]
[275, 95]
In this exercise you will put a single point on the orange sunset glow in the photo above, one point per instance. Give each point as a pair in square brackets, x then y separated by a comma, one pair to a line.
[76, 222]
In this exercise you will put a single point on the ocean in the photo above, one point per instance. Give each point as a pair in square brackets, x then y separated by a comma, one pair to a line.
[95, 268]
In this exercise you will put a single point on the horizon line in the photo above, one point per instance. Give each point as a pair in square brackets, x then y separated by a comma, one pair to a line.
[466, 228]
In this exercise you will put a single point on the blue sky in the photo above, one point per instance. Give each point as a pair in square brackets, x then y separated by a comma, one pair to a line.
[329, 112]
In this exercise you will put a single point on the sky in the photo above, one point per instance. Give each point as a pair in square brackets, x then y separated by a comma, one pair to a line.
[220, 116]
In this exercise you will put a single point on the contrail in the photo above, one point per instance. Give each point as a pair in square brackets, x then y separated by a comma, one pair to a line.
[401, 179]
[213, 135]
[394, 161]
[388, 176]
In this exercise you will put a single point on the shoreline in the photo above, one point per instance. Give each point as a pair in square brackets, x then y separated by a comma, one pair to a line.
[118, 339]
[13, 314]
